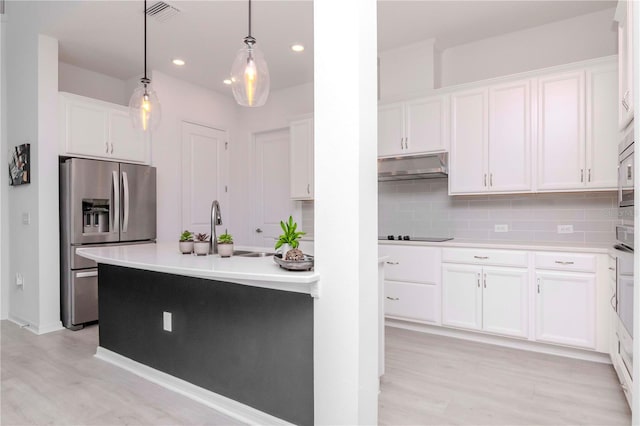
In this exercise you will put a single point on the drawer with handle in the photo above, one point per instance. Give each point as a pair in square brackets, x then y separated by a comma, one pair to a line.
[566, 262]
[412, 301]
[411, 263]
[485, 257]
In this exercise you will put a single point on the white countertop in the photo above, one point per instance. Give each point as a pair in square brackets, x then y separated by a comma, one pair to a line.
[165, 257]
[508, 245]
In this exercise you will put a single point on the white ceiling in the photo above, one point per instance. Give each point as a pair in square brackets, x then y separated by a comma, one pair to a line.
[106, 36]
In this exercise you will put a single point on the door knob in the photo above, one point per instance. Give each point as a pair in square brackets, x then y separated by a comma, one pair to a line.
[258, 230]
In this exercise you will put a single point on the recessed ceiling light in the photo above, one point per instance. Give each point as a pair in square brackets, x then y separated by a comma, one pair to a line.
[297, 47]
[226, 81]
[178, 62]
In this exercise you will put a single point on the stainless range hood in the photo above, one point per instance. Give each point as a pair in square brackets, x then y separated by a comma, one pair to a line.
[429, 166]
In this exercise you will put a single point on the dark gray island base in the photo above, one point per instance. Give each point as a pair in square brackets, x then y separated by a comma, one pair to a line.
[253, 345]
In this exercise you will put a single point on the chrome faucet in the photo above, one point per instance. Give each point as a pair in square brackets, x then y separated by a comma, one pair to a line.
[216, 219]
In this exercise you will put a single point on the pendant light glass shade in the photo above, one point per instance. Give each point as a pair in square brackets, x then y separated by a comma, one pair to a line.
[144, 108]
[250, 77]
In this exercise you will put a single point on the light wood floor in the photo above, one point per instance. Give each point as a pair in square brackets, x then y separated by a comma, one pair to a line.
[54, 379]
[436, 380]
[429, 380]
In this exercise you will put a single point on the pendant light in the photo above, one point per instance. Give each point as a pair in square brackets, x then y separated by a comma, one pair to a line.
[144, 107]
[250, 74]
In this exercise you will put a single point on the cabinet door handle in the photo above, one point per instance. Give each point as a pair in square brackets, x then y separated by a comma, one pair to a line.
[478, 280]
[538, 280]
[481, 257]
[581, 175]
[393, 298]
[401, 143]
[106, 147]
[560, 262]
[112, 147]
[392, 263]
[406, 142]
[588, 175]
[259, 231]
[612, 303]
[308, 188]
[485, 281]
[485, 179]
[611, 268]
[490, 179]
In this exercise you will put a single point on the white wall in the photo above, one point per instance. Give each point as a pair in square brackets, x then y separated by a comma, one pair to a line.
[92, 84]
[4, 204]
[180, 102]
[48, 204]
[281, 106]
[31, 69]
[571, 40]
[407, 69]
[22, 126]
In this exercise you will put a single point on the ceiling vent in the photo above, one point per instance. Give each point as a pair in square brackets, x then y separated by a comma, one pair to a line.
[162, 11]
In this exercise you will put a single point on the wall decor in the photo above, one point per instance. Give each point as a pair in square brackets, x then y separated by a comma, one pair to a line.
[20, 165]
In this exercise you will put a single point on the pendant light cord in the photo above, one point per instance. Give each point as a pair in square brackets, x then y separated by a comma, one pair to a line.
[145, 39]
[249, 18]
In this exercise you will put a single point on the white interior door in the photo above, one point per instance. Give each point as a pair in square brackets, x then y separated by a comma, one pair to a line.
[203, 174]
[271, 183]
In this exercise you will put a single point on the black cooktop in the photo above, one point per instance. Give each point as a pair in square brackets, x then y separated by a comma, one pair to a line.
[410, 238]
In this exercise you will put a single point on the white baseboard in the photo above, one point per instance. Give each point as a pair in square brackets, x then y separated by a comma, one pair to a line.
[34, 328]
[227, 406]
[525, 345]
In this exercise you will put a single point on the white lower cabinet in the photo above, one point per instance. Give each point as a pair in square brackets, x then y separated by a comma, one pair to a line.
[491, 299]
[565, 308]
[412, 282]
[412, 301]
[462, 296]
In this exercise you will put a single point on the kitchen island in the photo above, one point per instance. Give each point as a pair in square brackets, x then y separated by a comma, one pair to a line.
[235, 333]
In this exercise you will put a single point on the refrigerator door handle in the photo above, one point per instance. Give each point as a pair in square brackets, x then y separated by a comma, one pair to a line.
[125, 182]
[115, 212]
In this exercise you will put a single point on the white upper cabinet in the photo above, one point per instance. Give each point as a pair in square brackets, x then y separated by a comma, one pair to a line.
[491, 139]
[97, 129]
[577, 132]
[427, 124]
[510, 137]
[561, 131]
[414, 127]
[624, 16]
[469, 137]
[301, 159]
[391, 130]
[602, 123]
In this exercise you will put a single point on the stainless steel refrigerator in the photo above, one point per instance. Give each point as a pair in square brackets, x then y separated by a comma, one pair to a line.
[101, 203]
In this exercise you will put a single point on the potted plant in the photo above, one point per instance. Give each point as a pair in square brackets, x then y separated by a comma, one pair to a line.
[288, 241]
[186, 242]
[201, 244]
[225, 244]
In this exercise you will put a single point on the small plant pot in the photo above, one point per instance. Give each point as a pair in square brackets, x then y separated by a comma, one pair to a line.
[201, 248]
[225, 250]
[186, 247]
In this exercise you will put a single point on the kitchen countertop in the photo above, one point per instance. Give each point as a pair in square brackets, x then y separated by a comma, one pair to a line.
[165, 257]
[508, 245]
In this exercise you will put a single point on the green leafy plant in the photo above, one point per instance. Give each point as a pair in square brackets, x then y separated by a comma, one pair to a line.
[186, 236]
[225, 238]
[290, 235]
[202, 237]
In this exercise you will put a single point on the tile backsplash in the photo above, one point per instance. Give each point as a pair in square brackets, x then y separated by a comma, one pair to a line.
[424, 208]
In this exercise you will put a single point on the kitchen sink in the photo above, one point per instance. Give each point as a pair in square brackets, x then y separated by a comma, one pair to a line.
[256, 254]
[241, 252]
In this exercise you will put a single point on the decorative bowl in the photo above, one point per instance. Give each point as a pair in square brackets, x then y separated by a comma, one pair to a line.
[294, 265]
